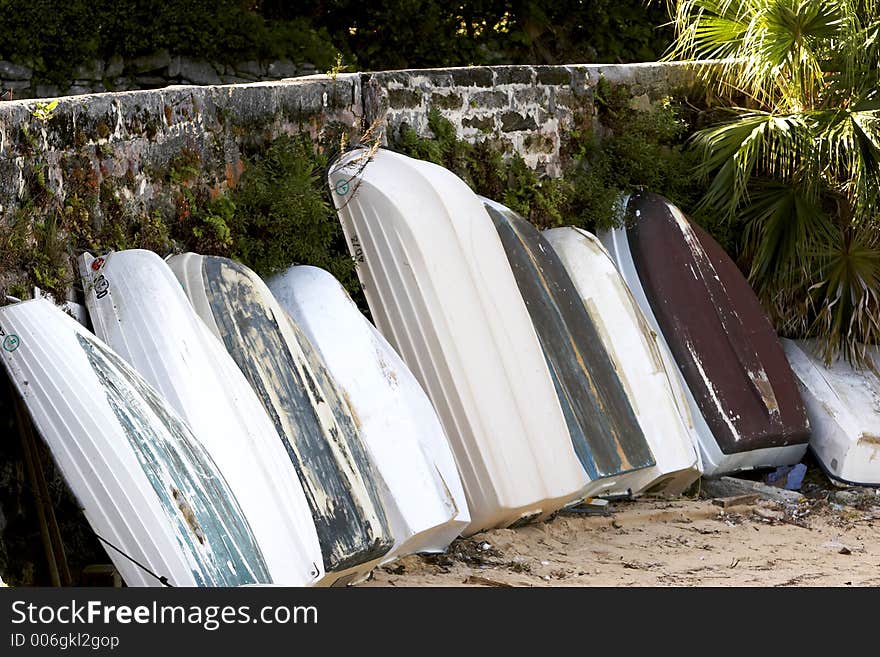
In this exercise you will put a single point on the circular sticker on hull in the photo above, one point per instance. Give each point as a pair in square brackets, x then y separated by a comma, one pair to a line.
[11, 342]
[342, 187]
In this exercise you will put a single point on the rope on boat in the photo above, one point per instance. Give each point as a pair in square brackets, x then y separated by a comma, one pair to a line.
[162, 579]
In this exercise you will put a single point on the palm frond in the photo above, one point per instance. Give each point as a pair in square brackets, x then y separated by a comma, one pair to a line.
[846, 294]
[777, 46]
[848, 142]
[752, 144]
[782, 222]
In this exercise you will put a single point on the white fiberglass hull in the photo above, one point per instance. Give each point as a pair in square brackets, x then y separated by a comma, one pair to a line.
[714, 461]
[656, 394]
[323, 439]
[843, 406]
[145, 483]
[139, 309]
[442, 292]
[396, 418]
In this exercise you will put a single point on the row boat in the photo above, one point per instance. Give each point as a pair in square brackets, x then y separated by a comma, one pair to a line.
[737, 377]
[441, 291]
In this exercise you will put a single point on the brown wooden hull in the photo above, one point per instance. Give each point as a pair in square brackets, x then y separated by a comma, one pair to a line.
[722, 340]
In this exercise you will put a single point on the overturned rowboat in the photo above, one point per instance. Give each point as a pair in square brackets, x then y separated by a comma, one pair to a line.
[843, 404]
[310, 414]
[150, 490]
[138, 308]
[442, 293]
[605, 432]
[642, 362]
[737, 377]
[395, 416]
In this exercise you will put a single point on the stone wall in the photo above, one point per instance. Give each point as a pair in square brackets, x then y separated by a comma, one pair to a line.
[127, 135]
[129, 138]
[528, 109]
[119, 150]
[122, 154]
[148, 72]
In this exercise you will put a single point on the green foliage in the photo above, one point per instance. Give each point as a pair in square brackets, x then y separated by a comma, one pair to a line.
[55, 37]
[637, 149]
[283, 214]
[210, 226]
[277, 215]
[425, 33]
[44, 111]
[184, 167]
[800, 166]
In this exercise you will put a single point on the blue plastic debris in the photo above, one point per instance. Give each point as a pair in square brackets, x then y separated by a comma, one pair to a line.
[789, 477]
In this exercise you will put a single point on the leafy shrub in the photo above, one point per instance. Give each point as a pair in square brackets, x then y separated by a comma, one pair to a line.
[55, 37]
[283, 214]
[426, 33]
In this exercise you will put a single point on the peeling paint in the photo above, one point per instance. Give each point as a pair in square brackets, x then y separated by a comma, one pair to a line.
[723, 343]
[314, 421]
[605, 432]
[208, 523]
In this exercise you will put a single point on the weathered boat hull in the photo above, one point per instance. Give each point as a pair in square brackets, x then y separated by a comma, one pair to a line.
[144, 481]
[310, 414]
[139, 309]
[639, 358]
[604, 430]
[441, 291]
[723, 343]
[395, 416]
[843, 404]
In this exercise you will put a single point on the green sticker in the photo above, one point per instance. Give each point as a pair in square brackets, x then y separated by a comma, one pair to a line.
[11, 342]
[342, 187]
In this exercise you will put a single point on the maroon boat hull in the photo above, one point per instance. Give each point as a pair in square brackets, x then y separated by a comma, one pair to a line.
[722, 340]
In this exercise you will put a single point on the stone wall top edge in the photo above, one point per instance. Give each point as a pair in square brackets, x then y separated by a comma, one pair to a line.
[595, 67]
[135, 94]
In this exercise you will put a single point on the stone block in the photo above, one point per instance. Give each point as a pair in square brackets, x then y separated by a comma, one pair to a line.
[481, 123]
[148, 63]
[283, 68]
[555, 75]
[476, 76]
[489, 99]
[250, 68]
[514, 75]
[401, 98]
[198, 72]
[10, 71]
[514, 122]
[446, 101]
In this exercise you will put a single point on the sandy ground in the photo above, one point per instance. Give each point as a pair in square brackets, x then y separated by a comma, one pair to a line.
[684, 542]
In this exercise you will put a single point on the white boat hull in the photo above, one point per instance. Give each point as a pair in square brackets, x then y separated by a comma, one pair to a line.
[396, 418]
[442, 292]
[320, 434]
[145, 483]
[656, 394]
[138, 307]
[843, 406]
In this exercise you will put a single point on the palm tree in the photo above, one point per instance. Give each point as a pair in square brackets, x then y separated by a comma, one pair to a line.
[798, 162]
